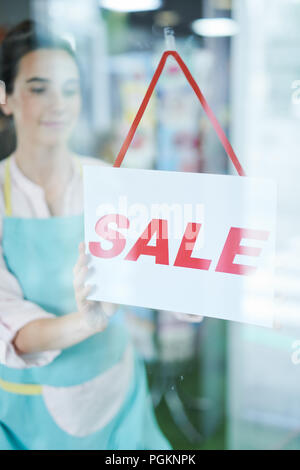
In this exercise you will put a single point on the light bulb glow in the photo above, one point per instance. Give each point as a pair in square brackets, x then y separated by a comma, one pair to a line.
[131, 5]
[215, 27]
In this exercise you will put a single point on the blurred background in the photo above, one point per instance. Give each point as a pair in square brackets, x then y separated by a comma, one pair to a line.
[217, 384]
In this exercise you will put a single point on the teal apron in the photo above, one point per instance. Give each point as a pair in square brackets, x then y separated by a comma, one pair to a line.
[41, 254]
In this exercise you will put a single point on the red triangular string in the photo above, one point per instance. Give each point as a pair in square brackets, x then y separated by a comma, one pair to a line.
[220, 133]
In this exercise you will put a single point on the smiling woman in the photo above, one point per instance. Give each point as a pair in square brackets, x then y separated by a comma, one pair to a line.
[69, 375]
[43, 86]
[42, 78]
[46, 97]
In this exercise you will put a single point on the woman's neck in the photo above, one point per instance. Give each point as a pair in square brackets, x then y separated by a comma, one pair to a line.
[48, 167]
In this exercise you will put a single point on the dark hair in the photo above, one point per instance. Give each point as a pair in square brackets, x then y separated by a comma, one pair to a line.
[26, 37]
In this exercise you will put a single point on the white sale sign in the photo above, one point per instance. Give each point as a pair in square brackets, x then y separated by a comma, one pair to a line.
[184, 242]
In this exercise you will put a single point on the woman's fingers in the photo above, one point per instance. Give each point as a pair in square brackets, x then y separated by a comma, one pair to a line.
[82, 260]
[83, 293]
[188, 317]
[109, 309]
[81, 247]
[95, 315]
[195, 318]
[80, 277]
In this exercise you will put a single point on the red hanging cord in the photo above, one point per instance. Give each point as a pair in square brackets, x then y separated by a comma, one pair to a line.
[220, 133]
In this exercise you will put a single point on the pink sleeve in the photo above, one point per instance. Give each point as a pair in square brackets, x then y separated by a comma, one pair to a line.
[15, 312]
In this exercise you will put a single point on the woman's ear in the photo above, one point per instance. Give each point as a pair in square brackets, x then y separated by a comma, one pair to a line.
[5, 107]
[2, 92]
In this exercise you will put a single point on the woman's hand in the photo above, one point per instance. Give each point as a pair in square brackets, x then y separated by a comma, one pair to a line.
[188, 317]
[95, 314]
[57, 333]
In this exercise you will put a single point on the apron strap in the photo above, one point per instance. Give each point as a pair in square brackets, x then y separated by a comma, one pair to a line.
[219, 131]
[21, 389]
[7, 189]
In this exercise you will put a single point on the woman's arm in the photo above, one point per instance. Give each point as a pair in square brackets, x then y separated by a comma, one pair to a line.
[59, 333]
[52, 333]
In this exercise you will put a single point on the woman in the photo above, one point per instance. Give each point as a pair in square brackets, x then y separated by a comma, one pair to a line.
[69, 377]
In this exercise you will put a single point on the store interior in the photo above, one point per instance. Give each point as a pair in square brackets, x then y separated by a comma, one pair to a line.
[217, 384]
